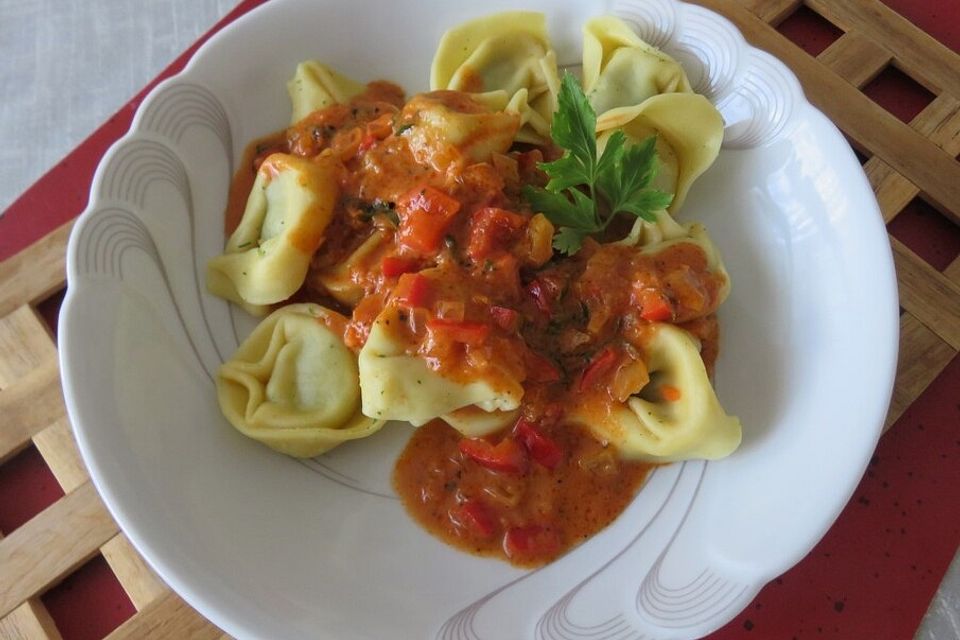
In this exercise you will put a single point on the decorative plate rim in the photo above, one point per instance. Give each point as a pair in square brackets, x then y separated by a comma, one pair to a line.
[773, 114]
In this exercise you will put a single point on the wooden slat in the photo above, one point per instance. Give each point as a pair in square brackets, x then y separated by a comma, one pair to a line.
[48, 547]
[29, 405]
[142, 585]
[772, 11]
[29, 379]
[923, 355]
[926, 165]
[952, 272]
[36, 272]
[59, 450]
[24, 344]
[918, 53]
[928, 294]
[29, 621]
[855, 58]
[940, 122]
[167, 618]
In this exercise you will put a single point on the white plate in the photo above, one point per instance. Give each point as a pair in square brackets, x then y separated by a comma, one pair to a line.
[268, 547]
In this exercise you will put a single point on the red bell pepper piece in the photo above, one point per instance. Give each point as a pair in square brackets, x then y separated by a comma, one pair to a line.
[507, 456]
[654, 306]
[540, 369]
[459, 330]
[491, 227]
[393, 266]
[542, 448]
[413, 290]
[504, 317]
[474, 516]
[542, 295]
[601, 364]
[670, 393]
[368, 141]
[425, 213]
[530, 542]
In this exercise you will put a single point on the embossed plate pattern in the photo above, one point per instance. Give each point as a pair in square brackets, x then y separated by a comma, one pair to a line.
[268, 547]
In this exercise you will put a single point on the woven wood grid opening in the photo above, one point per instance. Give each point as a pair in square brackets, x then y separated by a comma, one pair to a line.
[933, 237]
[27, 487]
[898, 93]
[89, 603]
[809, 30]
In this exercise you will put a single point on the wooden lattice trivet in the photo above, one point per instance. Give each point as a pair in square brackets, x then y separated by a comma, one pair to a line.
[906, 161]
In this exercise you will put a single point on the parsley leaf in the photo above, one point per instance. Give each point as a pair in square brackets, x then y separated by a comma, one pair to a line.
[585, 193]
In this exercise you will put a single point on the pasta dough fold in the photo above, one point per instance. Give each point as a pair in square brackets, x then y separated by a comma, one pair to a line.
[400, 386]
[507, 52]
[293, 385]
[339, 281]
[653, 237]
[474, 422]
[636, 88]
[447, 126]
[314, 86]
[267, 256]
[689, 132]
[676, 416]
[620, 69]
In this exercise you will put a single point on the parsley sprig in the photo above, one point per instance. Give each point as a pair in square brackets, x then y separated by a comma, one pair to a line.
[585, 192]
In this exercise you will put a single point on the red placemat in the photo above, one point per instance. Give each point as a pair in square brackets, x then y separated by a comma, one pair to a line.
[872, 576]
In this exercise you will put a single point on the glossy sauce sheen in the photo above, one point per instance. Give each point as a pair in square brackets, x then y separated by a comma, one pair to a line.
[581, 496]
[481, 296]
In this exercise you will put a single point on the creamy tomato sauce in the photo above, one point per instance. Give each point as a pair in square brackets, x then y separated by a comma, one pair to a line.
[532, 517]
[425, 231]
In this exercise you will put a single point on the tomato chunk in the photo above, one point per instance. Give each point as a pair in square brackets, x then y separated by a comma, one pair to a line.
[413, 290]
[491, 228]
[601, 364]
[459, 330]
[425, 213]
[530, 542]
[507, 456]
[475, 517]
[542, 448]
[393, 266]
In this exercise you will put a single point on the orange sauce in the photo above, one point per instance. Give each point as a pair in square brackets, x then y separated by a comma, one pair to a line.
[479, 299]
[572, 502]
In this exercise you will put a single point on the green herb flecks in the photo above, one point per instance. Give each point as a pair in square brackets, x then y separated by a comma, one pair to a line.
[380, 207]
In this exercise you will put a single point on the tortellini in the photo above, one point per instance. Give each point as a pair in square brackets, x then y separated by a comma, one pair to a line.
[636, 88]
[645, 233]
[620, 69]
[293, 384]
[339, 280]
[267, 256]
[676, 416]
[652, 237]
[447, 126]
[508, 53]
[401, 386]
[474, 422]
[689, 132]
[314, 86]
